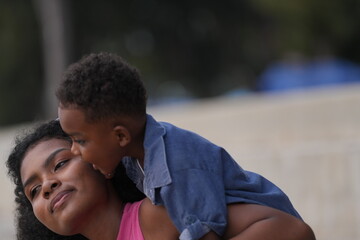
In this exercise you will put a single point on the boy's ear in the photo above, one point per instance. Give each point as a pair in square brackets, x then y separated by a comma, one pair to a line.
[122, 134]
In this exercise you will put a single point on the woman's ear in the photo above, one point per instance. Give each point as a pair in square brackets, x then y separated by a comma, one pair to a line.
[122, 134]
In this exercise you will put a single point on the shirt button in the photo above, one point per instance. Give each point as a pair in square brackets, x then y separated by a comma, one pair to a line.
[190, 220]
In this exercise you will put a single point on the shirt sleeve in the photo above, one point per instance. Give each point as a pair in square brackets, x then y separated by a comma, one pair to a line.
[195, 201]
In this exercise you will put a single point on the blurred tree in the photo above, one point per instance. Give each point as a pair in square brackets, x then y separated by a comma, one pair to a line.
[210, 49]
[20, 68]
[183, 48]
[313, 27]
[54, 18]
[195, 43]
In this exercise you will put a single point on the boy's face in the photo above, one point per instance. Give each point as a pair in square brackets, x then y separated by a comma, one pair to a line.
[96, 142]
[64, 191]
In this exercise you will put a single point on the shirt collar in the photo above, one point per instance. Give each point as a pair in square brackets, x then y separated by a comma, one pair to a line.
[155, 163]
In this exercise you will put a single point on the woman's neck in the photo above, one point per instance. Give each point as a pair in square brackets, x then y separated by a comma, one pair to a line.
[105, 222]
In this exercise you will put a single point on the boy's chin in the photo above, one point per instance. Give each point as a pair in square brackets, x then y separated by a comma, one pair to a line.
[106, 174]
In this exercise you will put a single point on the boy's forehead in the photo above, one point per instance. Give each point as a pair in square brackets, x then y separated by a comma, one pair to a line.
[70, 118]
[66, 114]
[74, 122]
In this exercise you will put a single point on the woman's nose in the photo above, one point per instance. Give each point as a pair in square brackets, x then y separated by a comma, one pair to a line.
[49, 186]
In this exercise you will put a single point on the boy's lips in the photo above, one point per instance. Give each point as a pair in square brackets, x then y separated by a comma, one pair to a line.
[59, 199]
[95, 167]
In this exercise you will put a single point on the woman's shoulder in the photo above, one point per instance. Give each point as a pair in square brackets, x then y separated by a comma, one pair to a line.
[155, 222]
[152, 214]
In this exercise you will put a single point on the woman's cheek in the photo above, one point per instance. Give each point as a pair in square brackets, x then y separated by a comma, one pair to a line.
[40, 211]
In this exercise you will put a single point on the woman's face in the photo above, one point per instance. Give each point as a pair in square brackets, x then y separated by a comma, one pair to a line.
[65, 192]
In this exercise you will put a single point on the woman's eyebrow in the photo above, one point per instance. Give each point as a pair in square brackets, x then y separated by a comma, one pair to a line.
[46, 164]
[51, 157]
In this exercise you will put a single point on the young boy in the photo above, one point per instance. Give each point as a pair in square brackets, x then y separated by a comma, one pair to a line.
[103, 108]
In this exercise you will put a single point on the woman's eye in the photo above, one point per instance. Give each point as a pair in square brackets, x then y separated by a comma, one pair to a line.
[34, 191]
[60, 164]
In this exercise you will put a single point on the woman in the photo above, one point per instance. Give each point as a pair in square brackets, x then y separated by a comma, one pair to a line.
[58, 190]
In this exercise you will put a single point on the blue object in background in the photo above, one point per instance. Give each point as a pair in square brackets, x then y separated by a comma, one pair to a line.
[287, 75]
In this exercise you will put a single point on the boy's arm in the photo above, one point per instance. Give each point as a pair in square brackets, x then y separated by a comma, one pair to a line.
[245, 222]
[251, 221]
[195, 203]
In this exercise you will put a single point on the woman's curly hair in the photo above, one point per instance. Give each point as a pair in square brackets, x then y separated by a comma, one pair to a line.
[28, 226]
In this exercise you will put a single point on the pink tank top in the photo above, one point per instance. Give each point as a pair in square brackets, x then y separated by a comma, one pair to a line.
[130, 225]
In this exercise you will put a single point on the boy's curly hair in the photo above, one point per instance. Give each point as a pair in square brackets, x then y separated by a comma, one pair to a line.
[103, 85]
[28, 226]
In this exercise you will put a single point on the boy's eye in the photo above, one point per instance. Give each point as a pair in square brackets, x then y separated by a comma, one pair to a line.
[60, 164]
[81, 142]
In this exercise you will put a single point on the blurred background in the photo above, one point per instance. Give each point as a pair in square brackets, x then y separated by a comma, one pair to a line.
[276, 83]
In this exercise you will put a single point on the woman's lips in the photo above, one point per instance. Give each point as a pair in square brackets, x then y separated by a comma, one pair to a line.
[59, 199]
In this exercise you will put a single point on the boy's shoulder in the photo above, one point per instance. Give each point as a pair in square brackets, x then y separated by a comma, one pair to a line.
[181, 135]
[178, 144]
[158, 129]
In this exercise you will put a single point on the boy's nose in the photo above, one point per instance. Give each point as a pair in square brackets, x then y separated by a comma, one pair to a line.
[75, 149]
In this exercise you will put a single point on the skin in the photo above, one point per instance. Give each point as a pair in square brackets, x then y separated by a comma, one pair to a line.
[245, 222]
[91, 207]
[73, 182]
[110, 139]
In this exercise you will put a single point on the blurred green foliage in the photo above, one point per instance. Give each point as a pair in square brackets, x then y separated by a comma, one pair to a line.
[20, 63]
[183, 48]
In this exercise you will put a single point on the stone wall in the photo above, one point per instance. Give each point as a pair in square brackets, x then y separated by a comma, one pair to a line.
[308, 143]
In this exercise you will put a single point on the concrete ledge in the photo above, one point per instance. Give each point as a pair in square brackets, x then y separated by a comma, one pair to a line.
[308, 143]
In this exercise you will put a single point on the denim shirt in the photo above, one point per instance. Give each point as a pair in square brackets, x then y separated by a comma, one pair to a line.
[195, 179]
